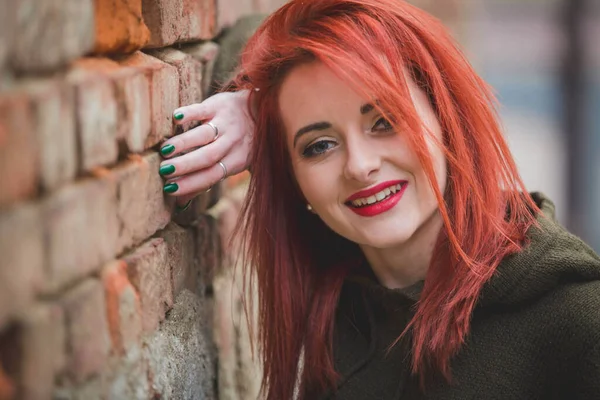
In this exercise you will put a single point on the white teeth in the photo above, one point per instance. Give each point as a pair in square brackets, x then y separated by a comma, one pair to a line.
[377, 196]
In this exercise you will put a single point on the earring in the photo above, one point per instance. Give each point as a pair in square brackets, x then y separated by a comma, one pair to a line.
[309, 207]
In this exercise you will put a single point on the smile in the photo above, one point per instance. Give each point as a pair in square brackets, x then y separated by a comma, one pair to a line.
[377, 200]
[379, 196]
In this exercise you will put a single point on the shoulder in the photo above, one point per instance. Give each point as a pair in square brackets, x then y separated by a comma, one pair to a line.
[574, 310]
[577, 337]
[579, 302]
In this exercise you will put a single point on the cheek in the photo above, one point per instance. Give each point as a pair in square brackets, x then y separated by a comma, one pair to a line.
[319, 184]
[440, 167]
[425, 193]
[309, 185]
[438, 159]
[398, 150]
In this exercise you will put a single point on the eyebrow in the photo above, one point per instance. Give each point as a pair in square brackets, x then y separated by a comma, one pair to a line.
[321, 126]
[366, 108]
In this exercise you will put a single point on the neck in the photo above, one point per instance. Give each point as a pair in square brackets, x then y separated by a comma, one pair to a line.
[404, 265]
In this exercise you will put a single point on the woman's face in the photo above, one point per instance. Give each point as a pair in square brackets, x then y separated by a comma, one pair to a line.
[359, 175]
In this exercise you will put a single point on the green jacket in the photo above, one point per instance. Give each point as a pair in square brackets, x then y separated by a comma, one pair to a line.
[535, 332]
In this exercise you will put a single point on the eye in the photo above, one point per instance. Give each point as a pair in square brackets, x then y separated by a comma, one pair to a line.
[318, 148]
[382, 125]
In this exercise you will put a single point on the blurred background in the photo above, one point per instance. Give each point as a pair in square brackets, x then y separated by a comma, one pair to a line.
[543, 59]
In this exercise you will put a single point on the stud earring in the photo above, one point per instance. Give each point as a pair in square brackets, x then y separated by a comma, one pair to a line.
[309, 207]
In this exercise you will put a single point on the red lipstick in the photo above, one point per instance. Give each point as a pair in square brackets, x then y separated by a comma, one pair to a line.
[378, 207]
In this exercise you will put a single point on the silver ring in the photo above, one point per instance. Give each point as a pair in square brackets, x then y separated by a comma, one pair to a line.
[224, 170]
[215, 129]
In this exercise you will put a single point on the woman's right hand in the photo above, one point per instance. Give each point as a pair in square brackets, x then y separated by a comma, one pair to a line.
[198, 169]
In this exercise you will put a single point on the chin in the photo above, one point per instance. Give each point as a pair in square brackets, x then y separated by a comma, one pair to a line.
[385, 239]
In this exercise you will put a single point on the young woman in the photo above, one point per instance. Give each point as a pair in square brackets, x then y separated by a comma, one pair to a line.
[397, 253]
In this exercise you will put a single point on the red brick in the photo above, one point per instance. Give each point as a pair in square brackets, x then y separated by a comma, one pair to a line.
[53, 120]
[164, 94]
[181, 258]
[94, 388]
[148, 270]
[172, 21]
[198, 207]
[120, 27]
[133, 98]
[44, 347]
[226, 314]
[6, 80]
[206, 53]
[7, 31]
[190, 74]
[22, 262]
[208, 249]
[11, 356]
[8, 389]
[132, 95]
[142, 208]
[130, 378]
[87, 330]
[52, 33]
[97, 115]
[227, 216]
[123, 307]
[82, 227]
[203, 52]
[19, 151]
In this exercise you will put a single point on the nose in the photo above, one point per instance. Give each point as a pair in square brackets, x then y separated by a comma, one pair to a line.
[363, 159]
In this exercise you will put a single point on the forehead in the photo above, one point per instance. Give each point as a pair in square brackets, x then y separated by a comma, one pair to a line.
[313, 90]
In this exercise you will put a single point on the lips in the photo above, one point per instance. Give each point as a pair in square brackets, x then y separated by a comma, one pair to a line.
[378, 199]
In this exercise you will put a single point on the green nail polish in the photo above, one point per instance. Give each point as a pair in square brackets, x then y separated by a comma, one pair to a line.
[167, 149]
[166, 169]
[183, 207]
[171, 188]
[178, 116]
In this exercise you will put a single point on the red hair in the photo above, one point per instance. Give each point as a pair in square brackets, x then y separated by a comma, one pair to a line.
[299, 263]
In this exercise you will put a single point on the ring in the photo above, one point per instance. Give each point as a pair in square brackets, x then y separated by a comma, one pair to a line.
[215, 129]
[224, 170]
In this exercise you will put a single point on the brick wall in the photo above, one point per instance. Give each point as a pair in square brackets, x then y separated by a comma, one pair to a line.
[105, 291]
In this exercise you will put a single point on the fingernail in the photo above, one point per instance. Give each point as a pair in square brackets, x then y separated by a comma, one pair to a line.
[170, 188]
[166, 169]
[167, 149]
[178, 116]
[183, 207]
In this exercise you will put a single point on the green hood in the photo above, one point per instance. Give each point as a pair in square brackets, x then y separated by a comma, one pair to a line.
[534, 333]
[553, 258]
